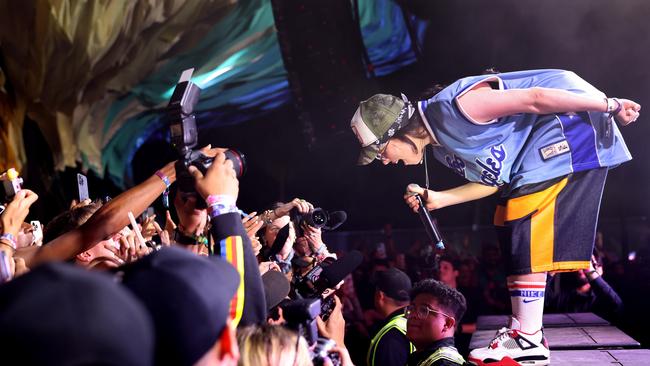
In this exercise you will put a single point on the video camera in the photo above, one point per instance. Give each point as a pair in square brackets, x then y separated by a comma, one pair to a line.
[325, 275]
[300, 316]
[184, 136]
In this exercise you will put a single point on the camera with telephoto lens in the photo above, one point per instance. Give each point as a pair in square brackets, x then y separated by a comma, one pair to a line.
[184, 136]
[317, 218]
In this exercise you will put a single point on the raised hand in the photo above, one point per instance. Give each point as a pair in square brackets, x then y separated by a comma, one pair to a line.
[16, 211]
[298, 203]
[220, 179]
[252, 224]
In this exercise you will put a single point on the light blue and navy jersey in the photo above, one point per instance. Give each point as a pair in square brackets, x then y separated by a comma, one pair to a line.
[522, 148]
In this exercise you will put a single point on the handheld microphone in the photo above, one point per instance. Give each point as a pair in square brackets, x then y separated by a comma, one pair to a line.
[429, 225]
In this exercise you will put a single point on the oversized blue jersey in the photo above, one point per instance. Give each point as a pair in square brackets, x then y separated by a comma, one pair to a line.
[522, 148]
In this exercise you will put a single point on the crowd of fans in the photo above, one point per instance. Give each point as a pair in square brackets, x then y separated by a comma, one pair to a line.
[218, 287]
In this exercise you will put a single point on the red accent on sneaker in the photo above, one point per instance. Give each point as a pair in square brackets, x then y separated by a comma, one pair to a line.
[515, 333]
[506, 361]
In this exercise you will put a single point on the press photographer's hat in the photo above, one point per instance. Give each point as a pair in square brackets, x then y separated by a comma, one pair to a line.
[376, 121]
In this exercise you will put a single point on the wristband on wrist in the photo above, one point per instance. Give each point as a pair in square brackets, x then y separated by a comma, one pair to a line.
[613, 106]
[217, 209]
[9, 239]
[223, 199]
[165, 180]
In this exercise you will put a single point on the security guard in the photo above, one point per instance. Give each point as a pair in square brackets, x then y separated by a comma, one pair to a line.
[389, 346]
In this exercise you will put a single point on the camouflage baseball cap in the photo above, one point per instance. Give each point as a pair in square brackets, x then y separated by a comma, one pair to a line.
[376, 120]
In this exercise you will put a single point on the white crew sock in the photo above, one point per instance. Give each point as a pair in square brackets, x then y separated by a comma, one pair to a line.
[527, 299]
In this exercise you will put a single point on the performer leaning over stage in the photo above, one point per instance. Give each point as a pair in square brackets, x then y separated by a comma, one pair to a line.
[545, 139]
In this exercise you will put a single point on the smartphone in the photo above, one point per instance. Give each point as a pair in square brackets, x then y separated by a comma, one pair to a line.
[148, 213]
[82, 184]
[37, 232]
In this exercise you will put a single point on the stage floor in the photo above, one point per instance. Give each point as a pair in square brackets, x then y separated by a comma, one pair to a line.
[625, 357]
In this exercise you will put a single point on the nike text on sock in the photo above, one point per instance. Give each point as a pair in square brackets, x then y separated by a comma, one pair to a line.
[527, 299]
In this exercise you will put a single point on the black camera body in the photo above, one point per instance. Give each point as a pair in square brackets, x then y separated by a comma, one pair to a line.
[300, 316]
[311, 285]
[184, 136]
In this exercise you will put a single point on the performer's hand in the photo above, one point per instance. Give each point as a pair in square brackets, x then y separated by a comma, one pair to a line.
[629, 112]
[428, 197]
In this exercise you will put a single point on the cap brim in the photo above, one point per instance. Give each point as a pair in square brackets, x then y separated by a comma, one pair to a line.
[368, 154]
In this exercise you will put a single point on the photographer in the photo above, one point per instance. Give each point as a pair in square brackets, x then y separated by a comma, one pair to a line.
[219, 187]
[311, 244]
[279, 232]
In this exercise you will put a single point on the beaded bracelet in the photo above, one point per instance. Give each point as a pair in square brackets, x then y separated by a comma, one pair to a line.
[9, 239]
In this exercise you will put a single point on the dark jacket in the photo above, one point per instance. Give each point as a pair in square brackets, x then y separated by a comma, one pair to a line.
[233, 245]
[441, 353]
[392, 348]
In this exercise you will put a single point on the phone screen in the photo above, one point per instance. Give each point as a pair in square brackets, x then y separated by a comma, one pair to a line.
[82, 184]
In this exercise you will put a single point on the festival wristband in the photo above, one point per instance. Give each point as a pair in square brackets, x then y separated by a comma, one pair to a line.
[164, 178]
[220, 209]
[165, 194]
[223, 199]
[9, 239]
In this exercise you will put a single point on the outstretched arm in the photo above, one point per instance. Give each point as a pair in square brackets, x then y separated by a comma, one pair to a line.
[439, 199]
[484, 104]
[105, 222]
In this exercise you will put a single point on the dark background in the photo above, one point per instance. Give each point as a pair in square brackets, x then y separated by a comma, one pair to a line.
[605, 42]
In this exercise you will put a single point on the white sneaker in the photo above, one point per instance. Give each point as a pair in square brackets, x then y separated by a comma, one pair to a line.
[513, 347]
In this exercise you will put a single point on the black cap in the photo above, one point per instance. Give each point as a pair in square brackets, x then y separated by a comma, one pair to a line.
[58, 314]
[188, 297]
[394, 283]
[276, 288]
